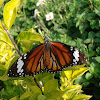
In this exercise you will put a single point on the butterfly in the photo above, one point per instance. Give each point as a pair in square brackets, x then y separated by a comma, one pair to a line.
[49, 56]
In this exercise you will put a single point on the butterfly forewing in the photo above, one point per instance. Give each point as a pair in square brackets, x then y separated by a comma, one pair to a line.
[28, 64]
[67, 55]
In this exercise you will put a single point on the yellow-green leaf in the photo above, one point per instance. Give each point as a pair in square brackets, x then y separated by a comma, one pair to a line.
[74, 67]
[14, 98]
[4, 37]
[35, 96]
[1, 2]
[27, 38]
[72, 91]
[30, 35]
[5, 52]
[41, 97]
[78, 73]
[10, 12]
[5, 77]
[50, 85]
[25, 95]
[97, 59]
[68, 74]
[54, 94]
[35, 89]
[71, 71]
[82, 97]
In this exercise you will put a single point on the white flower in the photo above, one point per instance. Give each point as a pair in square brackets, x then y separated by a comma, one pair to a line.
[49, 16]
[41, 83]
[39, 2]
[35, 13]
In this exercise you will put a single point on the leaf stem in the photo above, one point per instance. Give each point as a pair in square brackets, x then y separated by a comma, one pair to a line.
[11, 40]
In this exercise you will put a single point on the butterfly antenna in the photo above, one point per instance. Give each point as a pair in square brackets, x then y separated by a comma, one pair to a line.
[11, 40]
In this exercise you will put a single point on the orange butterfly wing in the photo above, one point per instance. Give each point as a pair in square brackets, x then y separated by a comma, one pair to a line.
[29, 64]
[63, 55]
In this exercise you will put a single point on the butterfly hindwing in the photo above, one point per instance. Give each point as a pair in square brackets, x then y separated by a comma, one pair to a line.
[53, 66]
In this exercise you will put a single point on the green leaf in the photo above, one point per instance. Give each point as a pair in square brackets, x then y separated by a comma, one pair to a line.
[90, 53]
[47, 78]
[34, 96]
[91, 35]
[82, 27]
[2, 67]
[29, 81]
[97, 34]
[27, 38]
[30, 35]
[41, 97]
[71, 43]
[96, 40]
[14, 58]
[97, 12]
[88, 76]
[50, 85]
[54, 94]
[10, 11]
[78, 73]
[75, 87]
[26, 45]
[78, 23]
[61, 31]
[35, 89]
[87, 41]
[72, 91]
[4, 37]
[82, 97]
[25, 95]
[14, 98]
[94, 69]
[97, 59]
[4, 77]
[74, 67]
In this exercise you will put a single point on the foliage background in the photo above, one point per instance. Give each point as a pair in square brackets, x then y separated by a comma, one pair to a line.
[76, 23]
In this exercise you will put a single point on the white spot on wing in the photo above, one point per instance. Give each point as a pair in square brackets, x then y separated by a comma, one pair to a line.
[21, 70]
[20, 58]
[71, 48]
[25, 55]
[76, 54]
[20, 64]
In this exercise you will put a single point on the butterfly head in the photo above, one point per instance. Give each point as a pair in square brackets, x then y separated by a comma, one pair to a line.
[46, 40]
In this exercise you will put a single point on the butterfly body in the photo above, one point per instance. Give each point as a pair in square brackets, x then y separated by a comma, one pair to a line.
[50, 56]
[46, 59]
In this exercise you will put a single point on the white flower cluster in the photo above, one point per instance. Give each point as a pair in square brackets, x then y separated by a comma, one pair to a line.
[48, 16]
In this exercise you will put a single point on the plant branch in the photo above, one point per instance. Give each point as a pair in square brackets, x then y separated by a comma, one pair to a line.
[11, 40]
[38, 85]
